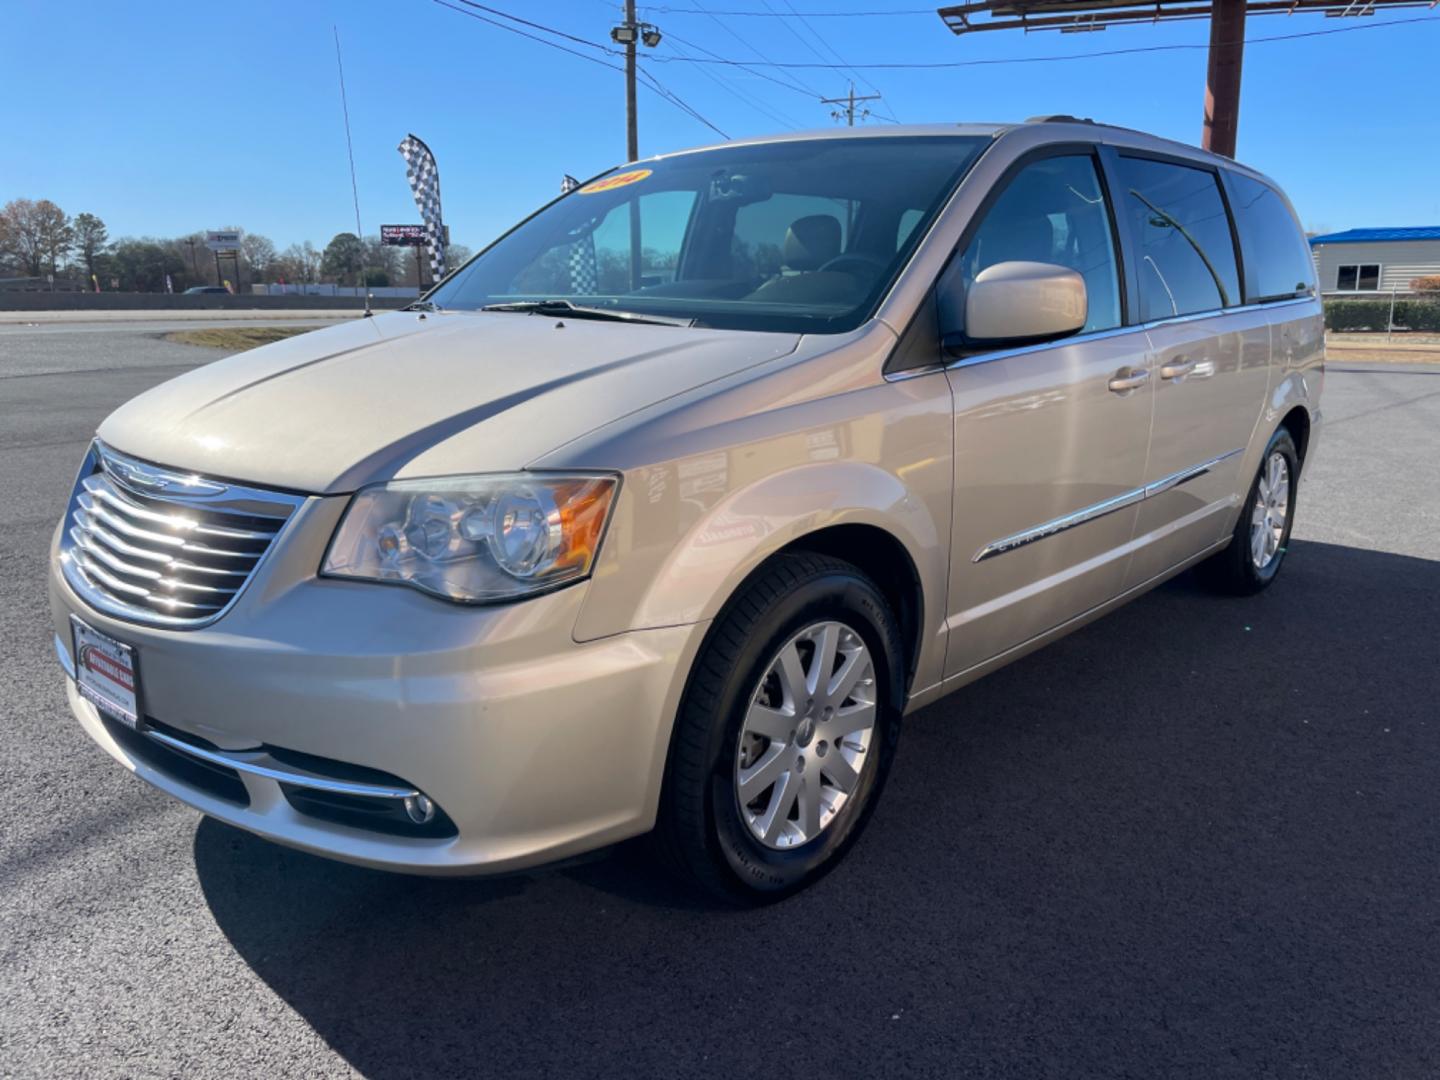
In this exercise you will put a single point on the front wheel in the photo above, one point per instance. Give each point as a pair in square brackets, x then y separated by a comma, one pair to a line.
[1262, 535]
[786, 733]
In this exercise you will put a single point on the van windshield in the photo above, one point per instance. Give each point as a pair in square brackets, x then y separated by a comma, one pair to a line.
[801, 237]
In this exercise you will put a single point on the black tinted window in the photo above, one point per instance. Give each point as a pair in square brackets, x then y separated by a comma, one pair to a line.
[1277, 258]
[1184, 252]
[1053, 212]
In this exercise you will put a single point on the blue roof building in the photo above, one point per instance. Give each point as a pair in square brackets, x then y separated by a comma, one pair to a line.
[1360, 261]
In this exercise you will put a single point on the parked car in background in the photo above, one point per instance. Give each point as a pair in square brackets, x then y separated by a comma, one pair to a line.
[206, 290]
[662, 511]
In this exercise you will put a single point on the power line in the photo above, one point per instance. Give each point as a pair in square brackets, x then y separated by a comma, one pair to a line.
[537, 26]
[663, 10]
[532, 37]
[790, 26]
[653, 82]
[756, 51]
[831, 50]
[913, 66]
[675, 99]
[747, 66]
[735, 91]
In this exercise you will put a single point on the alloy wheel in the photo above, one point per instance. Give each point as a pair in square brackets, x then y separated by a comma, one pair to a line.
[806, 736]
[1272, 507]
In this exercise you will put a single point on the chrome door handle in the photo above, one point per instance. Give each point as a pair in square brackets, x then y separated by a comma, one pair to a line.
[1178, 370]
[1127, 379]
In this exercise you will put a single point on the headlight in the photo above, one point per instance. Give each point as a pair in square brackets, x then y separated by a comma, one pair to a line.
[474, 539]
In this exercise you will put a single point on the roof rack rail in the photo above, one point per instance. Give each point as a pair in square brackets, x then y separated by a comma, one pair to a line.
[1059, 118]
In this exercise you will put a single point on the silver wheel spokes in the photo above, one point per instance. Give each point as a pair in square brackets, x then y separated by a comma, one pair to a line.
[806, 735]
[1272, 506]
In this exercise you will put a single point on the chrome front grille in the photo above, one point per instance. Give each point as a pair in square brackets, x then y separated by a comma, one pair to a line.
[161, 546]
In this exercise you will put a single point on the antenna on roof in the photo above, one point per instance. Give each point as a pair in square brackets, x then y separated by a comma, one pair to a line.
[354, 189]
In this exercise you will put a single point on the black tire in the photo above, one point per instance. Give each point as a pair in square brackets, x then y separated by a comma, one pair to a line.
[1233, 570]
[700, 832]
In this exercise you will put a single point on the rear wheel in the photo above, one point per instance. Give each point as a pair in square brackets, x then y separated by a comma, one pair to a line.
[1262, 534]
[786, 733]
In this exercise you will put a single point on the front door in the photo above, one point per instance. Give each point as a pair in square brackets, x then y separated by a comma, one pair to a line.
[1050, 440]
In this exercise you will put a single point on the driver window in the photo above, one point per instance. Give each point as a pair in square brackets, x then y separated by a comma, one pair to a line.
[1053, 211]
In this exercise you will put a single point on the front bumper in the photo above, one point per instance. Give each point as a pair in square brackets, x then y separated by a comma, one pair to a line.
[535, 746]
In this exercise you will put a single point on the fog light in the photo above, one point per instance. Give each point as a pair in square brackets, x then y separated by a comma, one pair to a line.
[419, 809]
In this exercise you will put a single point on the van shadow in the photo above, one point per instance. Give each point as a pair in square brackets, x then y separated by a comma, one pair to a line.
[1198, 836]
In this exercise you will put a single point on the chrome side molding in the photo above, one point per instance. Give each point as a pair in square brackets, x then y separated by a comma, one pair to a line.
[1185, 475]
[1058, 525]
[1100, 509]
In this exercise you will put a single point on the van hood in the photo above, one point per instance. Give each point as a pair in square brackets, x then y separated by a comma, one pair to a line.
[400, 395]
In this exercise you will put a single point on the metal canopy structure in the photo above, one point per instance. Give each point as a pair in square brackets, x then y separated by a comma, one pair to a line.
[1227, 34]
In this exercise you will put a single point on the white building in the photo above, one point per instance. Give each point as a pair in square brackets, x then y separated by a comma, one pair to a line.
[1361, 261]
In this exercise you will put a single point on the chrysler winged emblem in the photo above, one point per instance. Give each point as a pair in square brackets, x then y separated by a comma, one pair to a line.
[152, 478]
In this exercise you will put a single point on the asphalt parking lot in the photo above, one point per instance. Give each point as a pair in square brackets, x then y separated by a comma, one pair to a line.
[1199, 838]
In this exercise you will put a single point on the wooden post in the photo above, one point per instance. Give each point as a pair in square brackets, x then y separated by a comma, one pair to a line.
[1222, 83]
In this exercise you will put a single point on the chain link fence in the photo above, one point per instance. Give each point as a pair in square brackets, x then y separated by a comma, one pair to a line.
[1397, 311]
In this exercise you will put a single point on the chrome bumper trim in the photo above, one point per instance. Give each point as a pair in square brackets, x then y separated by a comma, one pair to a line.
[258, 762]
[64, 657]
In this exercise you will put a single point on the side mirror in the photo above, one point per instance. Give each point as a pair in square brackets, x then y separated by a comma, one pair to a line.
[1020, 303]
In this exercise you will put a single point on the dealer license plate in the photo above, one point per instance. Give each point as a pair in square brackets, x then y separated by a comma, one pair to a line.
[106, 673]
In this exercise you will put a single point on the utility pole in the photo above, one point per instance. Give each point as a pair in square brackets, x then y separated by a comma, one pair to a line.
[1222, 78]
[632, 124]
[631, 34]
[849, 101]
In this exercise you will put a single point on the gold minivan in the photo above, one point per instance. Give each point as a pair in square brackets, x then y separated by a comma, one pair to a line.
[662, 511]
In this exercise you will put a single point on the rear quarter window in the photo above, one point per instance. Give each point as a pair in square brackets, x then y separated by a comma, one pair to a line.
[1274, 252]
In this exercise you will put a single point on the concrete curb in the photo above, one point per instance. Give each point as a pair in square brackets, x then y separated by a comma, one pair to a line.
[1332, 345]
[1377, 368]
[52, 318]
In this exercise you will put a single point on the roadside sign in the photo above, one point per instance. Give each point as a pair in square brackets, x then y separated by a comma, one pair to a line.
[227, 240]
[403, 235]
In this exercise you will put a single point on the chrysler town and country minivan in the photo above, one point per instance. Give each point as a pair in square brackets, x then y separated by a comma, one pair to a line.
[660, 513]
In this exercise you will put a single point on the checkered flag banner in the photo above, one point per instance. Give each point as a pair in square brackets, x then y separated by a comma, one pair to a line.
[584, 277]
[424, 177]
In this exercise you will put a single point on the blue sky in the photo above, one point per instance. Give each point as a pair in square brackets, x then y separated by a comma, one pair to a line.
[167, 117]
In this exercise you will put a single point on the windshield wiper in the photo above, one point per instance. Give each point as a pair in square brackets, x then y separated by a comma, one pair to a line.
[423, 305]
[565, 307]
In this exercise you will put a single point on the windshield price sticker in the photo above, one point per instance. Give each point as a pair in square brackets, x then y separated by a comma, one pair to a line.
[619, 180]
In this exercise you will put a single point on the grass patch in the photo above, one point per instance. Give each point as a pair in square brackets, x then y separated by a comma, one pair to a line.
[235, 338]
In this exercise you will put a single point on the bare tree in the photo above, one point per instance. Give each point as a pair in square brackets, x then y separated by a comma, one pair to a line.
[259, 253]
[9, 247]
[38, 232]
[299, 264]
